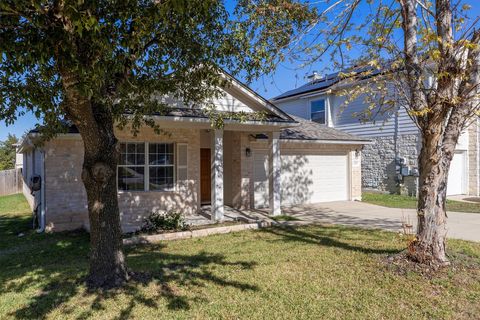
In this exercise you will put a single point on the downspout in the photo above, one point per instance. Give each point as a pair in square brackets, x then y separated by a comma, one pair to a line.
[42, 193]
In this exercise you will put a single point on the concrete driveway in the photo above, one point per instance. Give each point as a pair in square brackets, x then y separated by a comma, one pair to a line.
[460, 225]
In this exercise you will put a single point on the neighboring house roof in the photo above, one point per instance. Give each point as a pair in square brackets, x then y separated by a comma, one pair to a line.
[315, 132]
[325, 82]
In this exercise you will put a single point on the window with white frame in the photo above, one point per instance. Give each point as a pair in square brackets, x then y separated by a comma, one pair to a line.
[161, 166]
[146, 167]
[317, 111]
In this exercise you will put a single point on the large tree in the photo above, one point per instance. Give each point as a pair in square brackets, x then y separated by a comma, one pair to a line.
[7, 152]
[421, 55]
[98, 63]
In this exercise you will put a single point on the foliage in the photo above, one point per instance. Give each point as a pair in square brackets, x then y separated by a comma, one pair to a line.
[121, 54]
[407, 202]
[390, 55]
[284, 217]
[422, 56]
[323, 272]
[8, 152]
[161, 221]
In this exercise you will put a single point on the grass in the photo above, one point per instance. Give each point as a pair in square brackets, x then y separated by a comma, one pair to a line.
[278, 273]
[407, 202]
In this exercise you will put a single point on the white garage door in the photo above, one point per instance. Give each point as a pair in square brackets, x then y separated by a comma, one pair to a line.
[306, 178]
[457, 177]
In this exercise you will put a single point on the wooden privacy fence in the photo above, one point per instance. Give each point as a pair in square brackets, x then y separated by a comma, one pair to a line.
[10, 182]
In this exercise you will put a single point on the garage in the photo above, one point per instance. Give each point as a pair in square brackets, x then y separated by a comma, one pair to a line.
[457, 177]
[306, 177]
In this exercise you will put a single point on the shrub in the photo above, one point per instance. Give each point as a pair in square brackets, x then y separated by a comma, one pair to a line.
[161, 221]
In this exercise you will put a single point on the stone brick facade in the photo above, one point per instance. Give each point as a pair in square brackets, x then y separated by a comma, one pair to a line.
[65, 196]
[66, 200]
[378, 162]
[379, 166]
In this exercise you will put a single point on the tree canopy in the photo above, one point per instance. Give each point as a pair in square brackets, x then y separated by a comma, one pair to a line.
[124, 52]
[7, 152]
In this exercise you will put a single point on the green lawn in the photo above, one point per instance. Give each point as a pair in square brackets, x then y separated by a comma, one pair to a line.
[407, 202]
[311, 272]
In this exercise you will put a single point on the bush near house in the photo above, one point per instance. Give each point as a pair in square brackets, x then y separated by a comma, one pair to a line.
[407, 202]
[310, 272]
[164, 221]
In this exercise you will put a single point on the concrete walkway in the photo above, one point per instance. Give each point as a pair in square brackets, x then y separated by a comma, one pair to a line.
[460, 225]
[464, 198]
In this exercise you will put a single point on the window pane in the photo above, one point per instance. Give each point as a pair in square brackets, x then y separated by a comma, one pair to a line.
[161, 178]
[130, 159]
[161, 154]
[131, 178]
[131, 148]
[132, 154]
[318, 106]
[140, 148]
[318, 117]
[152, 148]
[318, 111]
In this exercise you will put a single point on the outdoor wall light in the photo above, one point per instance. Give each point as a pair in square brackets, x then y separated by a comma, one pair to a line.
[248, 152]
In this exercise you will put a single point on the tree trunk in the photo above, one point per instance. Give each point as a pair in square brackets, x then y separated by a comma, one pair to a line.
[434, 164]
[95, 124]
[107, 263]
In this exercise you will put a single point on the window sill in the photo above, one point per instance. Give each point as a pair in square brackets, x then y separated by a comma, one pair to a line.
[143, 191]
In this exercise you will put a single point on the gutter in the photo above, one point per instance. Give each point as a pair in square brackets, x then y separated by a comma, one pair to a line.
[285, 124]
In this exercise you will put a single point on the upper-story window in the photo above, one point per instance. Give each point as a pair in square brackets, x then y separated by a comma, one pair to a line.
[317, 111]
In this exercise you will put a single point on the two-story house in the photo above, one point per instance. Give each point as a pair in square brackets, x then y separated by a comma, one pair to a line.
[390, 163]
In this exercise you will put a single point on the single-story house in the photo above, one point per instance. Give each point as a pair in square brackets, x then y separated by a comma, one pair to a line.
[277, 161]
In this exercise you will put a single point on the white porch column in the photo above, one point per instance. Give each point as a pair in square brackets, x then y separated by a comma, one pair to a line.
[217, 175]
[274, 164]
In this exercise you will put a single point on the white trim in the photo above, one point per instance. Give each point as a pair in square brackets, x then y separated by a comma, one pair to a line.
[305, 95]
[256, 97]
[227, 121]
[324, 110]
[217, 175]
[353, 142]
[146, 166]
[146, 175]
[274, 174]
[177, 166]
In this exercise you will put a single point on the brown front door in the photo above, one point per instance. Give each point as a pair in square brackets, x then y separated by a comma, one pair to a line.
[205, 176]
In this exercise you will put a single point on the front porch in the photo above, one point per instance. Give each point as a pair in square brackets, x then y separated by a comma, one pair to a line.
[226, 182]
[205, 217]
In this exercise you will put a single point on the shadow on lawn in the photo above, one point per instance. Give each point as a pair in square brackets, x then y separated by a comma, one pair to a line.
[57, 264]
[331, 237]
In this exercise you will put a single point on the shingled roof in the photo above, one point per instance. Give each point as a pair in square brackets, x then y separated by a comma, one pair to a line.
[309, 130]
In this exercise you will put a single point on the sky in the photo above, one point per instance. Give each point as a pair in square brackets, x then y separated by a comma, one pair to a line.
[287, 76]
